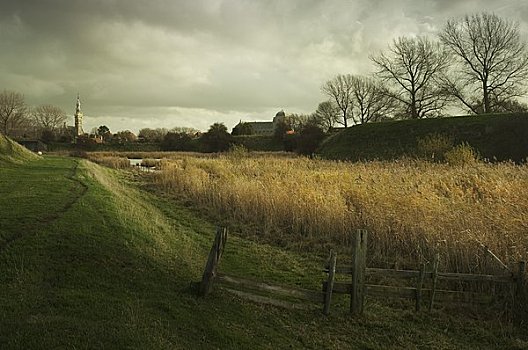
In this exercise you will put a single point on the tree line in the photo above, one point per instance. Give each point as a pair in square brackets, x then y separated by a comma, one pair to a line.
[17, 119]
[477, 63]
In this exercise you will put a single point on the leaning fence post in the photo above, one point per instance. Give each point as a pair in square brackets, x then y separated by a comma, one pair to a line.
[330, 282]
[212, 261]
[359, 261]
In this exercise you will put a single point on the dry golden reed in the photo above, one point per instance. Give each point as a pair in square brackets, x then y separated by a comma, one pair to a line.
[412, 209]
[110, 161]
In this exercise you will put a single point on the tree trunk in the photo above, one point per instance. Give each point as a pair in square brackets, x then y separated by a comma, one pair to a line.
[414, 112]
[486, 102]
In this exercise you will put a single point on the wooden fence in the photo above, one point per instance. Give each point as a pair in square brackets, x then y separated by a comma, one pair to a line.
[418, 291]
[422, 284]
[282, 296]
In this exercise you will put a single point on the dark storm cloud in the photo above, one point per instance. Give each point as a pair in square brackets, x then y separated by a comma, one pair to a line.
[196, 62]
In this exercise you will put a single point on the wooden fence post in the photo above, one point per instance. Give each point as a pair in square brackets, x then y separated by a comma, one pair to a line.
[359, 261]
[521, 277]
[520, 308]
[419, 285]
[330, 282]
[434, 276]
[212, 261]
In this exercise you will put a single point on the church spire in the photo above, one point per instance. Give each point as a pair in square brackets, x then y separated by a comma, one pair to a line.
[78, 107]
[78, 118]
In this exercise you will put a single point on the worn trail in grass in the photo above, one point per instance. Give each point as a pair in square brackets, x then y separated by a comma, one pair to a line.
[112, 269]
[25, 211]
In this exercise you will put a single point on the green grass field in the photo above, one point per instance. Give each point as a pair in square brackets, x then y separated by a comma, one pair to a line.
[90, 260]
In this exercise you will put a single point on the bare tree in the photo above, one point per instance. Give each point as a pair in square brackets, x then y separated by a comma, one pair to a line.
[413, 66]
[372, 101]
[297, 121]
[153, 135]
[326, 115]
[340, 90]
[493, 60]
[184, 130]
[13, 111]
[48, 117]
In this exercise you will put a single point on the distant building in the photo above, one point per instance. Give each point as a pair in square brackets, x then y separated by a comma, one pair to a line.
[266, 128]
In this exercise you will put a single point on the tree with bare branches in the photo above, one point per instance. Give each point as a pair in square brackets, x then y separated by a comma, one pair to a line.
[49, 117]
[493, 61]
[372, 101]
[340, 90]
[413, 67]
[326, 115]
[13, 111]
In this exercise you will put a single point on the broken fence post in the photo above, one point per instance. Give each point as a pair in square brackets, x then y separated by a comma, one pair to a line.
[330, 282]
[212, 261]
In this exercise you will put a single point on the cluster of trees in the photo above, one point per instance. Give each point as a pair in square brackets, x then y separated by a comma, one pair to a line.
[477, 63]
[157, 135]
[17, 119]
[175, 139]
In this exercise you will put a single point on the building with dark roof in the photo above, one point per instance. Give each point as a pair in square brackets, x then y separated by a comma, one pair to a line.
[266, 128]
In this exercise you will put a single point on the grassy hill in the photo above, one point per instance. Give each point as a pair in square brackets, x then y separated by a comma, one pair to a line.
[500, 136]
[12, 152]
[89, 260]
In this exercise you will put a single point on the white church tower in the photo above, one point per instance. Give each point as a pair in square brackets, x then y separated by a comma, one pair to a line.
[78, 118]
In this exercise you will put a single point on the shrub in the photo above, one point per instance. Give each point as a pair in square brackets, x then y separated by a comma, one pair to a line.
[238, 151]
[434, 146]
[461, 155]
[309, 139]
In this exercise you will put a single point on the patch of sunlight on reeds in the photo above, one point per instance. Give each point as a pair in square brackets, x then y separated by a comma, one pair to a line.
[412, 209]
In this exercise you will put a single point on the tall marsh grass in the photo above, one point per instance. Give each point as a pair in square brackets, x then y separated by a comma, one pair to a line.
[412, 209]
[115, 162]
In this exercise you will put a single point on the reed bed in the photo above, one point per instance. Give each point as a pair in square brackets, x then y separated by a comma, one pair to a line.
[182, 155]
[412, 209]
[110, 161]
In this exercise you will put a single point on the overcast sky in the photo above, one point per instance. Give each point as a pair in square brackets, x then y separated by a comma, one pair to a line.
[166, 63]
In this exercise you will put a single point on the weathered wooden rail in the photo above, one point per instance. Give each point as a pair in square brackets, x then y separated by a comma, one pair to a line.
[358, 288]
[282, 296]
[420, 285]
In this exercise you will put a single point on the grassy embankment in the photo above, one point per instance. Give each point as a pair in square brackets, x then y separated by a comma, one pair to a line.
[89, 261]
[495, 136]
[12, 152]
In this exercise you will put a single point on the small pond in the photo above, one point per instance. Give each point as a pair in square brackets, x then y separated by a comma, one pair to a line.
[138, 163]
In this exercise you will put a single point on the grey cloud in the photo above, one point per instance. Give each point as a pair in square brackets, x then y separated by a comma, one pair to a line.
[131, 59]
